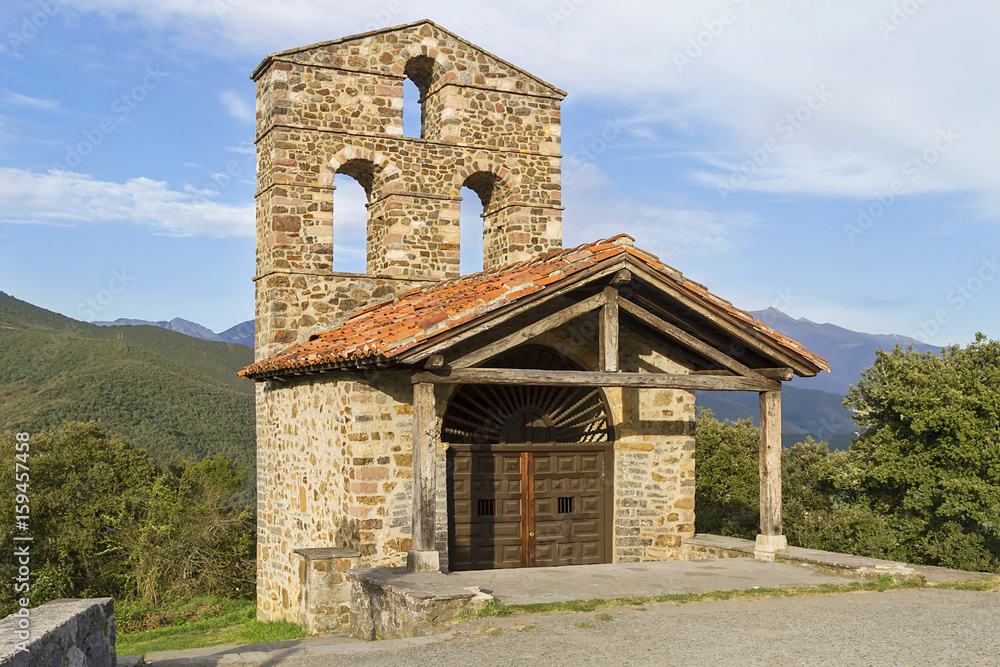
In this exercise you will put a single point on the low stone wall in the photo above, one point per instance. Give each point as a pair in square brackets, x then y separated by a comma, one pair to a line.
[61, 633]
[392, 603]
[325, 602]
[698, 549]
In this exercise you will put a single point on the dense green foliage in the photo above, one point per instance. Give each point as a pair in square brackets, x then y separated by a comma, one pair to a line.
[175, 396]
[930, 453]
[104, 522]
[727, 490]
[921, 484]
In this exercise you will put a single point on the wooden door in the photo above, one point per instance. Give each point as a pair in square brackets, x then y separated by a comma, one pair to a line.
[566, 503]
[527, 508]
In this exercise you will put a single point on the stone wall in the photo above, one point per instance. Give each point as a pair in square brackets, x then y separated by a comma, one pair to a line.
[63, 633]
[334, 464]
[333, 470]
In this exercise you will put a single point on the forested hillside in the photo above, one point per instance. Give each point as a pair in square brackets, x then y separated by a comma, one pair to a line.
[175, 396]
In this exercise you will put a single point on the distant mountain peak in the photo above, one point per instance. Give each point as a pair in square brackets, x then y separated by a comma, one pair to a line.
[241, 334]
[849, 352]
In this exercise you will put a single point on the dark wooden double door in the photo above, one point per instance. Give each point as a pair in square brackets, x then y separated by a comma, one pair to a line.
[529, 507]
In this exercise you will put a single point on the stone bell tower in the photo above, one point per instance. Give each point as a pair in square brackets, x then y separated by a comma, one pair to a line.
[337, 108]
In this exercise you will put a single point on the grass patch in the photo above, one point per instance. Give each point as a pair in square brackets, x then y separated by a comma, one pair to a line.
[982, 585]
[883, 583]
[604, 618]
[200, 623]
[494, 608]
[584, 624]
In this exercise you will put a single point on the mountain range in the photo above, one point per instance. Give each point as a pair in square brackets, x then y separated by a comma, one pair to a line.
[174, 395]
[172, 387]
[814, 406]
[241, 334]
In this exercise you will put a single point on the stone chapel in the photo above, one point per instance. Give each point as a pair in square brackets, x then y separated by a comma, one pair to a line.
[540, 412]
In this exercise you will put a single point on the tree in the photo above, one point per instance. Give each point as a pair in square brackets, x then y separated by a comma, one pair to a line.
[727, 486]
[104, 522]
[929, 454]
[192, 537]
[84, 486]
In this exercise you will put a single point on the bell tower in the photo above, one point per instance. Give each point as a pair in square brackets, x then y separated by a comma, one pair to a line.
[337, 108]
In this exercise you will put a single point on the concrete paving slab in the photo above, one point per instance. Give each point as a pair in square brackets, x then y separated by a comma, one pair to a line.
[562, 584]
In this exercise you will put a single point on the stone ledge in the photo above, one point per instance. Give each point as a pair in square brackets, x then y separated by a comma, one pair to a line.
[67, 631]
[393, 603]
[327, 553]
[846, 565]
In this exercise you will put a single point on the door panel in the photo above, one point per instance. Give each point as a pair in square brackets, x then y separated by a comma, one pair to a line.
[527, 508]
[485, 522]
[567, 503]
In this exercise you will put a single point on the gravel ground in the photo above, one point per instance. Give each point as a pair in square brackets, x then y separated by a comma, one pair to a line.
[911, 627]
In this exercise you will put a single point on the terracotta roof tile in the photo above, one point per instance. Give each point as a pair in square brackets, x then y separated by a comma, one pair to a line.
[386, 330]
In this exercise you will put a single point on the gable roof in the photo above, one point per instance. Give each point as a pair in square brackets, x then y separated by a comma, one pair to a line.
[386, 332]
[401, 28]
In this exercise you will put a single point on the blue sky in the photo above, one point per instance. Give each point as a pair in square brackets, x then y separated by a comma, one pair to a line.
[835, 160]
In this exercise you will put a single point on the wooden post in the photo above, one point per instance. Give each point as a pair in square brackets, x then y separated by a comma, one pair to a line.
[771, 538]
[423, 557]
[609, 331]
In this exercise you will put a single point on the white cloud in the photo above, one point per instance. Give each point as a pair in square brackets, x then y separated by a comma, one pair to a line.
[243, 148]
[65, 198]
[238, 106]
[32, 102]
[595, 210]
[727, 70]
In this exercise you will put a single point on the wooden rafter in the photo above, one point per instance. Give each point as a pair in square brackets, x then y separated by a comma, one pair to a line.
[745, 337]
[687, 339]
[529, 332]
[505, 314]
[781, 373]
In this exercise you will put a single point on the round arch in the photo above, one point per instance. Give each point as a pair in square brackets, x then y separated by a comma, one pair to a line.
[519, 414]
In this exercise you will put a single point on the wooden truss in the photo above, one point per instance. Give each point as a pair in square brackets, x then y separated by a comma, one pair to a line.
[734, 376]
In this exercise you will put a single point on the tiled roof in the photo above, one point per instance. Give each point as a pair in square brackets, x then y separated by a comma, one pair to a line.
[387, 330]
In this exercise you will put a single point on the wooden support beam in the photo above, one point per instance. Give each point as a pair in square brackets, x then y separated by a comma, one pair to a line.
[529, 332]
[782, 374]
[770, 463]
[609, 331]
[687, 339]
[595, 379]
[424, 447]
